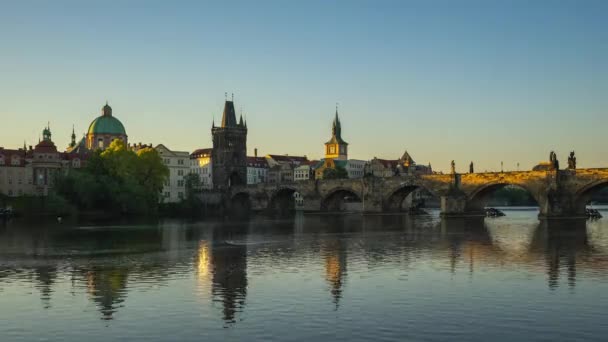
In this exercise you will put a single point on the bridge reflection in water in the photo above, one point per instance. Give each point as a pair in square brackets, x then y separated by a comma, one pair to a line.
[232, 261]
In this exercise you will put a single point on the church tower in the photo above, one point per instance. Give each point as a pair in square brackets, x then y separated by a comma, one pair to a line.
[229, 155]
[336, 148]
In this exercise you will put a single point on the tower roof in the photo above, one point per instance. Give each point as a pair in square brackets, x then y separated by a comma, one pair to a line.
[229, 115]
[336, 132]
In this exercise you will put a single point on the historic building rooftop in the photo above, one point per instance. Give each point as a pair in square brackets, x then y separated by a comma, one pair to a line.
[106, 123]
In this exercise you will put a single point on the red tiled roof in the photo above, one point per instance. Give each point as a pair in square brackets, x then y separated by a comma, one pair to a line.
[10, 154]
[45, 146]
[388, 163]
[200, 152]
[259, 162]
[290, 159]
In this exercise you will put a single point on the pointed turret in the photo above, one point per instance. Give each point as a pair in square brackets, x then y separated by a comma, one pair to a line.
[229, 115]
[241, 121]
[73, 141]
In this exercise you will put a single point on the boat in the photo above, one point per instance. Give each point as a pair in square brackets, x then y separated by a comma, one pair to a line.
[493, 212]
[593, 213]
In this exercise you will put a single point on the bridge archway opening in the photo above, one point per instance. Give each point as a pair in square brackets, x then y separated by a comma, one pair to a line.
[342, 200]
[591, 195]
[235, 179]
[240, 205]
[501, 195]
[283, 202]
[411, 198]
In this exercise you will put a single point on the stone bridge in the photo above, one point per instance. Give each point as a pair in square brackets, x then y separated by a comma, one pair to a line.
[559, 194]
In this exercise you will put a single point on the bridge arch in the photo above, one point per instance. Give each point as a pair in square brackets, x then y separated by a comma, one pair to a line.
[240, 204]
[480, 196]
[584, 195]
[282, 201]
[395, 198]
[337, 199]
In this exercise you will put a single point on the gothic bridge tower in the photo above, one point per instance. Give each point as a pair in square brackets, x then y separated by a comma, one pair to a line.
[229, 155]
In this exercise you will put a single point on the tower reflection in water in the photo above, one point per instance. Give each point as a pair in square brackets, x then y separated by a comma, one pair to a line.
[229, 269]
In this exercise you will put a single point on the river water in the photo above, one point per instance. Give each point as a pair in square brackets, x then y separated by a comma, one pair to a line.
[308, 278]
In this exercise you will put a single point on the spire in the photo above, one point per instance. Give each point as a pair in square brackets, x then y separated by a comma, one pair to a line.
[73, 142]
[241, 121]
[229, 115]
[337, 127]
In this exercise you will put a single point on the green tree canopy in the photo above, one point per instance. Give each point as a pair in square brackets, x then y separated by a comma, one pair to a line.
[117, 180]
[335, 173]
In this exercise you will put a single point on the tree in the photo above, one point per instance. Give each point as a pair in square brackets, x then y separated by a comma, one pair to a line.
[192, 183]
[116, 181]
[335, 173]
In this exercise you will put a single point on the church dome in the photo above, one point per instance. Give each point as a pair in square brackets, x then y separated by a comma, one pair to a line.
[107, 125]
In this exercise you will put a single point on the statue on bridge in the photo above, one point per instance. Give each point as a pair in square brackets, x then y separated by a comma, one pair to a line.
[553, 160]
[453, 167]
[572, 161]
[471, 170]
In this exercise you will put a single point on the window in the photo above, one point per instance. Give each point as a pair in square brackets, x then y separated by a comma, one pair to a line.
[180, 183]
[167, 161]
[167, 194]
[180, 162]
[180, 195]
[100, 143]
[332, 149]
[180, 172]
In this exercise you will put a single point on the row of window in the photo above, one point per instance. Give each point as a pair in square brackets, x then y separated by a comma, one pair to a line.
[167, 194]
[167, 161]
[18, 193]
[19, 181]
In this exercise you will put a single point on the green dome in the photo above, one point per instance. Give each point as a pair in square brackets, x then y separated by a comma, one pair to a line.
[107, 125]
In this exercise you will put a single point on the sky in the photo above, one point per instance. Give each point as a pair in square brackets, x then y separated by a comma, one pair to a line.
[482, 81]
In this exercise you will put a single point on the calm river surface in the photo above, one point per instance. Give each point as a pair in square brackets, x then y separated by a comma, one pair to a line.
[309, 278]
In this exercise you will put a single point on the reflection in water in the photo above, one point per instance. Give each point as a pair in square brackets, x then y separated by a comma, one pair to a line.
[45, 278]
[335, 267]
[561, 242]
[107, 287]
[229, 261]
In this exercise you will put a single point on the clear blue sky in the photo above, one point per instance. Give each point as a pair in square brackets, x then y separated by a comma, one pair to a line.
[487, 81]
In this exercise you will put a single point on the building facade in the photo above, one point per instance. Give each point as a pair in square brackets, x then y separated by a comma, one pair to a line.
[257, 170]
[229, 152]
[305, 171]
[178, 163]
[202, 165]
[104, 129]
[356, 168]
[32, 171]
